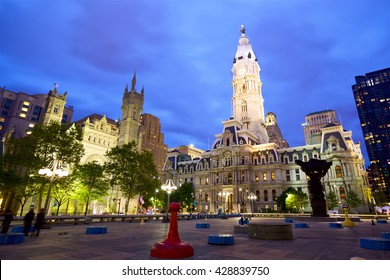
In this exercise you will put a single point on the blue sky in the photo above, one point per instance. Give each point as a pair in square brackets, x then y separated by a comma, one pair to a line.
[182, 51]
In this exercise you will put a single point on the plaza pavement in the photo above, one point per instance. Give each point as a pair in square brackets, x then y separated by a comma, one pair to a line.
[133, 241]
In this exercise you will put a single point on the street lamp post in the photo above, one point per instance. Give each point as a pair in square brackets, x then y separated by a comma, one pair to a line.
[54, 170]
[168, 187]
[239, 200]
[155, 195]
[252, 197]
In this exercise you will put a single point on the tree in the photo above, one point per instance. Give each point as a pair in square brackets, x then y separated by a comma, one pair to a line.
[90, 183]
[296, 199]
[183, 195]
[46, 145]
[281, 200]
[133, 172]
[63, 190]
[331, 200]
[23, 191]
[380, 198]
[352, 200]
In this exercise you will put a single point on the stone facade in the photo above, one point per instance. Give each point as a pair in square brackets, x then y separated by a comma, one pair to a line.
[250, 155]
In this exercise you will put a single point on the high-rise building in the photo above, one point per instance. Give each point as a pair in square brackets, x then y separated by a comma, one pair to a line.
[372, 98]
[19, 112]
[251, 156]
[152, 139]
[314, 122]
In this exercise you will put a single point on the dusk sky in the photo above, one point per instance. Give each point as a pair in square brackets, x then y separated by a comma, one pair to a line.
[309, 52]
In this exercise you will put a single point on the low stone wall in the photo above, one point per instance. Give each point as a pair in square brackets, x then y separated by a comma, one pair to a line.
[270, 231]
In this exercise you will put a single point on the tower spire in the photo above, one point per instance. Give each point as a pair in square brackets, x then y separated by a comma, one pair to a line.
[242, 29]
[133, 82]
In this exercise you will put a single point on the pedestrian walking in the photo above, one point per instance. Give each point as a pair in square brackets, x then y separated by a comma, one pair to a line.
[28, 219]
[7, 221]
[40, 221]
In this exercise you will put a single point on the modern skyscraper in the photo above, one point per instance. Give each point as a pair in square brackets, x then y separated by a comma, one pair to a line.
[372, 98]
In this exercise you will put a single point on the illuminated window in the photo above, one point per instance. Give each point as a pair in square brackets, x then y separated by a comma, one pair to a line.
[22, 115]
[342, 193]
[272, 176]
[24, 109]
[256, 177]
[26, 103]
[264, 176]
[339, 173]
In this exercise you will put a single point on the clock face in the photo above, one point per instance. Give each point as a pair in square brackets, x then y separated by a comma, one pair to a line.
[241, 71]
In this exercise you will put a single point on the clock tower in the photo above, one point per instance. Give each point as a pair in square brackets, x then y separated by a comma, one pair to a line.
[247, 101]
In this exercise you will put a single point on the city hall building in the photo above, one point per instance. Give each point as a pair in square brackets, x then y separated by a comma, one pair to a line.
[250, 157]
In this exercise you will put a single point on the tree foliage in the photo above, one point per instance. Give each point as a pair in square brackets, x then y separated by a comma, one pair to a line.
[292, 200]
[380, 198]
[353, 200]
[134, 172]
[45, 145]
[331, 200]
[183, 195]
[90, 182]
[63, 190]
[296, 200]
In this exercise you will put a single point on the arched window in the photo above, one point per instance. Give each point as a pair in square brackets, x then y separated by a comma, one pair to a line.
[342, 193]
[265, 195]
[339, 173]
[273, 195]
[206, 197]
[258, 195]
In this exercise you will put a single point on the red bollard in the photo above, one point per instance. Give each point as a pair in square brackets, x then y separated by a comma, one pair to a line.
[172, 247]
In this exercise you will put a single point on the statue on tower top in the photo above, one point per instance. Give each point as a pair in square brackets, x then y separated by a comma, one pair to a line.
[242, 29]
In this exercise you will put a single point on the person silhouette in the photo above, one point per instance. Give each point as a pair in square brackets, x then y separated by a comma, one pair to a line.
[40, 221]
[28, 219]
[7, 221]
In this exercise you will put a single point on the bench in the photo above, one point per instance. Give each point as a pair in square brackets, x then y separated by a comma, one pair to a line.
[19, 229]
[301, 225]
[221, 239]
[96, 230]
[335, 225]
[11, 238]
[381, 221]
[386, 235]
[289, 221]
[202, 225]
[270, 231]
[374, 243]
